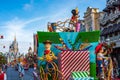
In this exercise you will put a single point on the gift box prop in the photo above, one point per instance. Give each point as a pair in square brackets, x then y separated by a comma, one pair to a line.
[83, 75]
[80, 74]
[88, 78]
[72, 61]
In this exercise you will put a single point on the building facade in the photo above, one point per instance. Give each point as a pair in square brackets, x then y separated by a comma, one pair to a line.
[110, 27]
[110, 23]
[82, 26]
[92, 18]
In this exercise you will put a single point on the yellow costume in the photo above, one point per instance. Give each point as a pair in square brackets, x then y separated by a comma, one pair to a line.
[48, 57]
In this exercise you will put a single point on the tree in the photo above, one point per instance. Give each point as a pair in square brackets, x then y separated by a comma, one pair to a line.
[2, 59]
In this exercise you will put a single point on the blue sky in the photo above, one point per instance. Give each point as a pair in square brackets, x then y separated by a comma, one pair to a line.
[25, 17]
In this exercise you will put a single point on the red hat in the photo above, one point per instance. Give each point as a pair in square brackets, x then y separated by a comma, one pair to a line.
[98, 48]
[47, 41]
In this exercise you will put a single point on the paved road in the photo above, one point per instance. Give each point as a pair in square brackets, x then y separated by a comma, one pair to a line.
[12, 74]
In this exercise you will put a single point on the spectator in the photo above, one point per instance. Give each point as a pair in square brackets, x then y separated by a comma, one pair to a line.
[35, 66]
[2, 74]
[5, 69]
[21, 70]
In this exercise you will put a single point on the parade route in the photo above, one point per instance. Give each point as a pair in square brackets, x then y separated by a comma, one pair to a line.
[12, 74]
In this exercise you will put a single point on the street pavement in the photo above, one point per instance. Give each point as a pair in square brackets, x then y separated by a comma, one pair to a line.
[12, 74]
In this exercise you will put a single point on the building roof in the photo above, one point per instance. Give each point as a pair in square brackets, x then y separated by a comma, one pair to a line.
[105, 9]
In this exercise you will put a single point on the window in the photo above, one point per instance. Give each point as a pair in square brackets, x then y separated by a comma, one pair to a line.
[90, 29]
[119, 8]
[110, 35]
[116, 33]
[106, 36]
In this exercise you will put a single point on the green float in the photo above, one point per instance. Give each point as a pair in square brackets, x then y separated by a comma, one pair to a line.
[93, 70]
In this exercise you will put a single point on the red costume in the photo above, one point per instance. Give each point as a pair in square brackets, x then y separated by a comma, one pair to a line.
[46, 52]
[2, 76]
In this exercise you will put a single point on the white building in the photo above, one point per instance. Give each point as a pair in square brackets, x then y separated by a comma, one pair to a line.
[92, 18]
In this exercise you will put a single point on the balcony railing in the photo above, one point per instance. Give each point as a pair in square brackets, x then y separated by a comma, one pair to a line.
[115, 38]
[114, 16]
[111, 17]
[111, 2]
[116, 3]
[104, 21]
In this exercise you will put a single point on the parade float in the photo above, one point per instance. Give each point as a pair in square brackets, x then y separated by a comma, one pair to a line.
[71, 54]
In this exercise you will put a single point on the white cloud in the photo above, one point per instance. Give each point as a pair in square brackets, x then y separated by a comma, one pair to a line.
[28, 6]
[17, 26]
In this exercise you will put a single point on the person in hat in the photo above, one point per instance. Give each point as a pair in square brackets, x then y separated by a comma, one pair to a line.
[48, 54]
[74, 19]
[99, 50]
[48, 57]
[2, 74]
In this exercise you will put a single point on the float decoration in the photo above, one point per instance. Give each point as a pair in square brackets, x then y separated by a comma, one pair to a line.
[104, 61]
[51, 69]
[70, 25]
[70, 46]
[71, 61]
[83, 75]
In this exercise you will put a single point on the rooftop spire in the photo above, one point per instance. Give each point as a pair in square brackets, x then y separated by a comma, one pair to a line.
[15, 37]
